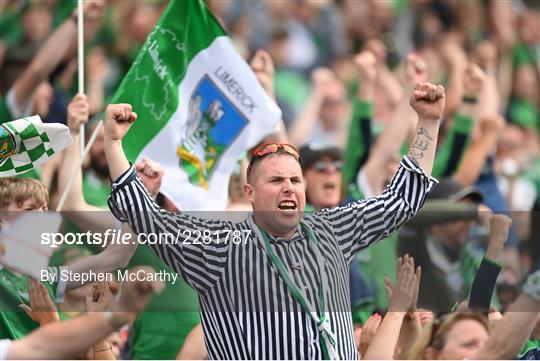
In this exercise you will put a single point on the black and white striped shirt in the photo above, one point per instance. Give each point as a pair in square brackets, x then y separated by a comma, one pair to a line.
[246, 309]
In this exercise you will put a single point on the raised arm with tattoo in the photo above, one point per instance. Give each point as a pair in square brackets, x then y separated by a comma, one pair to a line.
[428, 102]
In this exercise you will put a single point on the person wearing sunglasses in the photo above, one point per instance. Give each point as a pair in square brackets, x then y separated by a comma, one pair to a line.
[322, 168]
[283, 291]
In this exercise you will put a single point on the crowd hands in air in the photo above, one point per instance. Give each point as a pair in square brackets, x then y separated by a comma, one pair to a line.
[354, 114]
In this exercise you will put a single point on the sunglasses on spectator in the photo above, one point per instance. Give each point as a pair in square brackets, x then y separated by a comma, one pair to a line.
[271, 148]
[324, 165]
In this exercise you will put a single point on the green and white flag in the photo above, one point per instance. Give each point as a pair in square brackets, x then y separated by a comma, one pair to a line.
[28, 142]
[199, 106]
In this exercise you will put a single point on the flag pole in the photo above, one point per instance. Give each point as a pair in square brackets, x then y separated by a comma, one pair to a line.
[80, 60]
[78, 167]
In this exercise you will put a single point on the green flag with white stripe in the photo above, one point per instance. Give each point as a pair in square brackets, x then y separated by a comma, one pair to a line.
[199, 106]
[28, 142]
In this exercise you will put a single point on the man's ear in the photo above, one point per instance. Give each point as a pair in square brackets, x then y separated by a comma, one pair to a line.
[249, 192]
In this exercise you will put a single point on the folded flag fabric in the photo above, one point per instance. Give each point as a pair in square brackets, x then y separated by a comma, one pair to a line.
[28, 142]
[199, 106]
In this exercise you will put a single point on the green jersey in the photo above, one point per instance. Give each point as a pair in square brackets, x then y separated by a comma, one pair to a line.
[530, 351]
[14, 322]
[160, 331]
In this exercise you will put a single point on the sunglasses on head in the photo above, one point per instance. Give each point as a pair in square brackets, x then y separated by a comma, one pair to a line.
[324, 165]
[270, 148]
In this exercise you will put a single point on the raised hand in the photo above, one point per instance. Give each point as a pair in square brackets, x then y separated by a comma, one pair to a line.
[416, 70]
[492, 124]
[93, 9]
[486, 55]
[403, 293]
[473, 80]
[452, 52]
[366, 63]
[42, 309]
[368, 332]
[118, 120]
[320, 78]
[98, 297]
[151, 174]
[499, 226]
[77, 113]
[428, 101]
[377, 48]
[263, 67]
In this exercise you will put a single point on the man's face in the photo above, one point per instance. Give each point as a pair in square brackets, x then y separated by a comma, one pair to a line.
[323, 179]
[277, 194]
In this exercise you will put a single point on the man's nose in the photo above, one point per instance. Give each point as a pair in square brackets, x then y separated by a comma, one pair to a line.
[288, 186]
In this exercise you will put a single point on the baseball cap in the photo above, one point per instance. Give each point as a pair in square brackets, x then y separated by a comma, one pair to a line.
[309, 154]
[455, 191]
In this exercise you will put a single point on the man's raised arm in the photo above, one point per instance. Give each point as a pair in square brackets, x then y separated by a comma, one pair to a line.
[131, 202]
[361, 224]
[118, 120]
[428, 102]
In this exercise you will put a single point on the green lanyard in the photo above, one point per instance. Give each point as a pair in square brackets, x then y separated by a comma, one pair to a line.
[322, 321]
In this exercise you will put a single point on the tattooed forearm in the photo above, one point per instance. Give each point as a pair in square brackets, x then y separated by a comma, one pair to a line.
[422, 142]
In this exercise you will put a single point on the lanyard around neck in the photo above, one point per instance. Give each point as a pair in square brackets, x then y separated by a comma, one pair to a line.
[323, 320]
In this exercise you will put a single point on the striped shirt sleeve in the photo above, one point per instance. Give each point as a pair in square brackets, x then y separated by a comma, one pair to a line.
[360, 224]
[175, 237]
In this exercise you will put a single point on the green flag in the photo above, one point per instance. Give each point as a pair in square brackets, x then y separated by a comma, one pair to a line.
[199, 106]
[27, 143]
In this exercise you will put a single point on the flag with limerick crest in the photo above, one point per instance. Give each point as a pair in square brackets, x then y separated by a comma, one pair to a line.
[199, 106]
[28, 142]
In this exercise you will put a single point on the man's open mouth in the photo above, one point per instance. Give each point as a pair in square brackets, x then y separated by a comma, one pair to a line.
[287, 205]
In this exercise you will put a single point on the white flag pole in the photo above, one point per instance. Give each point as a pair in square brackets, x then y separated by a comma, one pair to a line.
[77, 169]
[80, 59]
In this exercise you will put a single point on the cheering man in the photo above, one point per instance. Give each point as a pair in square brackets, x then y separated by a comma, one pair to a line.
[275, 286]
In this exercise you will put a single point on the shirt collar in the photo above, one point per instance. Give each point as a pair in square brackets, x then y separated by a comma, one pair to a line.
[297, 236]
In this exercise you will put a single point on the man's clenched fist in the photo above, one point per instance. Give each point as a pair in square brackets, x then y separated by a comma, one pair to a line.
[118, 120]
[499, 225]
[428, 101]
[151, 174]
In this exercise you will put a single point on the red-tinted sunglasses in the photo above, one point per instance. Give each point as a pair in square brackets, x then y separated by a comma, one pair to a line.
[270, 148]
